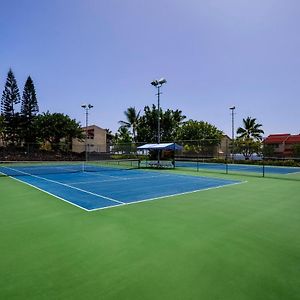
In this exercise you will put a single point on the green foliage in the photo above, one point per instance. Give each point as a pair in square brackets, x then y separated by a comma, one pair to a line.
[26, 128]
[147, 126]
[247, 146]
[29, 109]
[170, 121]
[18, 127]
[132, 119]
[10, 95]
[249, 138]
[268, 150]
[13, 129]
[251, 129]
[200, 137]
[122, 141]
[122, 136]
[2, 126]
[282, 162]
[52, 128]
[296, 150]
[199, 130]
[170, 124]
[109, 135]
[29, 105]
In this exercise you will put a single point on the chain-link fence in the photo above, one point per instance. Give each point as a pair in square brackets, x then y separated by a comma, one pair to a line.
[214, 156]
[208, 156]
[38, 152]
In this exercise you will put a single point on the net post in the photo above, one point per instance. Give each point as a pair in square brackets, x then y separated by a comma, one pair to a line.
[173, 156]
[226, 163]
[226, 158]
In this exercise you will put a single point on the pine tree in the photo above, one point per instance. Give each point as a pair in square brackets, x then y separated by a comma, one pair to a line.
[29, 109]
[29, 106]
[10, 95]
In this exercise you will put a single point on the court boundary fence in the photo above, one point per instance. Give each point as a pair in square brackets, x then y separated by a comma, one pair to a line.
[213, 151]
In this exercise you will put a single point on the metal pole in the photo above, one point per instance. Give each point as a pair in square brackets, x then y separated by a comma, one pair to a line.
[87, 107]
[158, 124]
[158, 84]
[158, 115]
[86, 132]
[232, 132]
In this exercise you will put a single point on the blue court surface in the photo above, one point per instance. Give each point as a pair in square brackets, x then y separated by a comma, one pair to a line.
[97, 190]
[237, 167]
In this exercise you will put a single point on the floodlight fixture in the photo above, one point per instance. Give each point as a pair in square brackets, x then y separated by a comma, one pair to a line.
[154, 83]
[158, 83]
[87, 106]
[162, 81]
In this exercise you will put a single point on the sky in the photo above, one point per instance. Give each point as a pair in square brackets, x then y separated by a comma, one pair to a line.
[214, 54]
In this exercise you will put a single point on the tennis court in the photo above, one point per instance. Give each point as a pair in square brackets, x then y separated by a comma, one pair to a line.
[93, 186]
[222, 167]
[239, 241]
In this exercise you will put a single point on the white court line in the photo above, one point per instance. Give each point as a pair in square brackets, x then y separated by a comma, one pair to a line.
[114, 180]
[290, 173]
[120, 203]
[69, 186]
[60, 198]
[99, 174]
[172, 195]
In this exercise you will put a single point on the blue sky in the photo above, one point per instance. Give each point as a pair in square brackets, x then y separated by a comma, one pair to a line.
[214, 54]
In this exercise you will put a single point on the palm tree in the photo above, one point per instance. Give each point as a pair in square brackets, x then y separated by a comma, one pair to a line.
[250, 136]
[132, 117]
[251, 130]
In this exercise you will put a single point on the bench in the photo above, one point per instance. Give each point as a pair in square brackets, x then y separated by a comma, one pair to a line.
[161, 164]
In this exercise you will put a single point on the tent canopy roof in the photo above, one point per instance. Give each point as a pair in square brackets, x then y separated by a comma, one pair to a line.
[161, 146]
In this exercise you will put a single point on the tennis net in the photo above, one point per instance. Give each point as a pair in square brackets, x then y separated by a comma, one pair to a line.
[200, 163]
[23, 168]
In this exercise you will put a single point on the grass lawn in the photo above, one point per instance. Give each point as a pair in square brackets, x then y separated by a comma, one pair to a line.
[236, 242]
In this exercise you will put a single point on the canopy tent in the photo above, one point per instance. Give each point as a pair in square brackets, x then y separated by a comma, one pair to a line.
[161, 146]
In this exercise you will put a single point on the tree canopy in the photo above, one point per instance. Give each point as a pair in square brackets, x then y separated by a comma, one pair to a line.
[199, 137]
[25, 127]
[147, 128]
[10, 96]
[249, 138]
[251, 129]
[29, 105]
[132, 119]
[29, 110]
[199, 130]
[54, 127]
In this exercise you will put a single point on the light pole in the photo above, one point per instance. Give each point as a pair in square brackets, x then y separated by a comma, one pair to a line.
[158, 84]
[232, 131]
[86, 107]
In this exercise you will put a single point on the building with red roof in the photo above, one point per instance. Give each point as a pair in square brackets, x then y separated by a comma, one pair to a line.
[283, 143]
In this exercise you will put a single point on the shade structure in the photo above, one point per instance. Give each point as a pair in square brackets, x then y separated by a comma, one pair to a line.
[161, 146]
